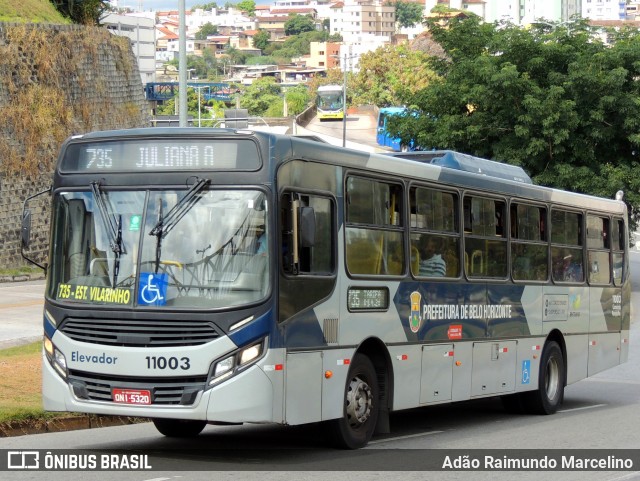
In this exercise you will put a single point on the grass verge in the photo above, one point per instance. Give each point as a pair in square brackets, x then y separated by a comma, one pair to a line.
[21, 383]
[18, 271]
[21, 409]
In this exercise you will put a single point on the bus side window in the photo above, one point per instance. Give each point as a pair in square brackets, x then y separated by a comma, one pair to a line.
[529, 249]
[485, 243]
[374, 233]
[300, 256]
[566, 246]
[598, 260]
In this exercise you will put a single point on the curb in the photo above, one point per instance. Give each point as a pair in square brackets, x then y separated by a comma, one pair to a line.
[22, 277]
[55, 425]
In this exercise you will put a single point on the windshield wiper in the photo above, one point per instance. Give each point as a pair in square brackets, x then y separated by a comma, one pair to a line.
[113, 226]
[167, 222]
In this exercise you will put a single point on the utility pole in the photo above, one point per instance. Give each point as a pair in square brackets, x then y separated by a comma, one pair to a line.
[182, 65]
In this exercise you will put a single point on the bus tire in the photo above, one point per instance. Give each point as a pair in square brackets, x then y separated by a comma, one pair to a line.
[179, 428]
[551, 380]
[361, 405]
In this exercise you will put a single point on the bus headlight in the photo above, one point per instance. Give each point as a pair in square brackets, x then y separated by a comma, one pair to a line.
[60, 363]
[249, 354]
[224, 366]
[55, 357]
[236, 362]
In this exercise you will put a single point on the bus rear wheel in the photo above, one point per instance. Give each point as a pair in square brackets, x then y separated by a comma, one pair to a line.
[360, 414]
[179, 428]
[551, 380]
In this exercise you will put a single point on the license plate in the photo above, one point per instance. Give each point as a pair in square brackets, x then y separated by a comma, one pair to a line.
[131, 396]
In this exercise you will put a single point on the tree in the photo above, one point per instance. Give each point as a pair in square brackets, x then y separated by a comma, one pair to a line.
[247, 6]
[200, 66]
[236, 56]
[260, 95]
[86, 12]
[297, 99]
[298, 24]
[390, 75]
[556, 101]
[206, 6]
[408, 14]
[206, 30]
[261, 39]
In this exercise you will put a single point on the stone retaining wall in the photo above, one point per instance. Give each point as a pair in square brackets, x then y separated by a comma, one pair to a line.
[55, 81]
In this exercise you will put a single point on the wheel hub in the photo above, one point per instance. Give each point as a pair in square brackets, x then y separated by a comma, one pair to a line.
[359, 402]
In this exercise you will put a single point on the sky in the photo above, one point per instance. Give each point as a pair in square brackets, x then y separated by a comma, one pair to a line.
[173, 4]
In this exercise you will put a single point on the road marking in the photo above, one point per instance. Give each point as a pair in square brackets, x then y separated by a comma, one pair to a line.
[22, 304]
[409, 436]
[615, 381]
[162, 479]
[633, 475]
[19, 285]
[581, 409]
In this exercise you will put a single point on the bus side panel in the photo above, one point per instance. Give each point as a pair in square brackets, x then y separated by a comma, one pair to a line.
[626, 321]
[604, 352]
[528, 363]
[337, 362]
[577, 357]
[605, 326]
[494, 367]
[303, 402]
[406, 375]
[624, 346]
[437, 373]
[247, 397]
[463, 368]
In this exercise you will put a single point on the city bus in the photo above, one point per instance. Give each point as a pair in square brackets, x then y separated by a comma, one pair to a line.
[207, 276]
[384, 138]
[330, 102]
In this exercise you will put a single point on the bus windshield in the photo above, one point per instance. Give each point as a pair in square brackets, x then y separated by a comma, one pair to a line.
[331, 100]
[195, 248]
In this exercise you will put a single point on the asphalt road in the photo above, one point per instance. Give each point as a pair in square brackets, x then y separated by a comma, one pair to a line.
[21, 305]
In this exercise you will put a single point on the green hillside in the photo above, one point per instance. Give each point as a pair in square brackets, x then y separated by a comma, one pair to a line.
[31, 11]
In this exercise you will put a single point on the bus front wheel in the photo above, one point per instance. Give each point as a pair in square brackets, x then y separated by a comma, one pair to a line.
[179, 428]
[360, 413]
[551, 380]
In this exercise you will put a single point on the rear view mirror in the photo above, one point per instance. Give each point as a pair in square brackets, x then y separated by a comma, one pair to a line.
[25, 231]
[307, 227]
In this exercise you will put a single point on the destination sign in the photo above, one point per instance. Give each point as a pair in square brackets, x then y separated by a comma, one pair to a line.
[166, 154]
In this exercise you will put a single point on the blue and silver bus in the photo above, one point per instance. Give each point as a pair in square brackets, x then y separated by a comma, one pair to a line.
[228, 276]
[384, 138]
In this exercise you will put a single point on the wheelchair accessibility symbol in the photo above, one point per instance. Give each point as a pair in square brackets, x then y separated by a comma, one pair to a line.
[153, 289]
[526, 371]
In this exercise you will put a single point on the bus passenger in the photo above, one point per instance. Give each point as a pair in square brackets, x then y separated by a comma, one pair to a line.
[432, 264]
[261, 243]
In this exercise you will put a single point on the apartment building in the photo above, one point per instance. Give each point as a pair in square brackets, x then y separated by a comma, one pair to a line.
[323, 55]
[362, 21]
[141, 32]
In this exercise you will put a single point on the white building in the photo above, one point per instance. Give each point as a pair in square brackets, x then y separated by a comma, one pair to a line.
[195, 19]
[363, 22]
[141, 31]
[519, 12]
[604, 9]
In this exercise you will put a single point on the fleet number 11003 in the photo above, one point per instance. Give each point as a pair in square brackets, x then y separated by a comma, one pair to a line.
[173, 363]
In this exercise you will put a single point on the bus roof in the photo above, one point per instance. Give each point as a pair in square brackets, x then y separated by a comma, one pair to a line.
[444, 166]
[392, 110]
[329, 88]
[468, 163]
